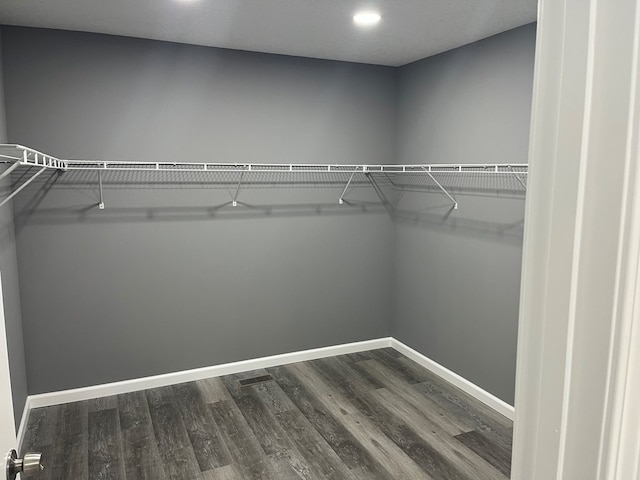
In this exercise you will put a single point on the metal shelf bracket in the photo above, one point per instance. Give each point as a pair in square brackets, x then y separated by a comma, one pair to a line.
[101, 204]
[346, 187]
[21, 187]
[515, 174]
[235, 196]
[455, 202]
[8, 171]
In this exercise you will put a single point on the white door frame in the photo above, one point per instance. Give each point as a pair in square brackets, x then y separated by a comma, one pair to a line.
[7, 419]
[578, 372]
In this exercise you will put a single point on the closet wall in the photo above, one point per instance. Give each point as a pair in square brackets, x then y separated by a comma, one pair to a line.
[10, 288]
[161, 280]
[165, 279]
[458, 271]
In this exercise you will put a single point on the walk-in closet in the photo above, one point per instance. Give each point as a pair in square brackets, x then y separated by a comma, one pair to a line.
[264, 241]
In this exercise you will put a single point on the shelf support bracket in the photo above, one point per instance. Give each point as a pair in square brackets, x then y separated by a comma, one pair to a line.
[8, 171]
[19, 189]
[235, 197]
[346, 187]
[101, 204]
[524, 185]
[515, 174]
[455, 202]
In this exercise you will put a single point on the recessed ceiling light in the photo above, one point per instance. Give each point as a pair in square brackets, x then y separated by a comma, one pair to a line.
[366, 19]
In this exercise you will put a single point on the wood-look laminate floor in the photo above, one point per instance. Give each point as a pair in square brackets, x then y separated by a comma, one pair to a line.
[371, 415]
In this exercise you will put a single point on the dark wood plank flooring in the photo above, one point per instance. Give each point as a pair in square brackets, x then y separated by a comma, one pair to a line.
[370, 415]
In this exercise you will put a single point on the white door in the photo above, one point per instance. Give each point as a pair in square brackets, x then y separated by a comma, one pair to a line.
[7, 422]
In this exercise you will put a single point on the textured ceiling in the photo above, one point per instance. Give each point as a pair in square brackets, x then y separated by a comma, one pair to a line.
[409, 30]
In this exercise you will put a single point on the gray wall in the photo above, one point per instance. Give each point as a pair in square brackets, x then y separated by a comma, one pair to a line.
[10, 287]
[457, 272]
[164, 280]
[161, 281]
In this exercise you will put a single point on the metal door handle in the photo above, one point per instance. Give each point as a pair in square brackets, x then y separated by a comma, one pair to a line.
[31, 463]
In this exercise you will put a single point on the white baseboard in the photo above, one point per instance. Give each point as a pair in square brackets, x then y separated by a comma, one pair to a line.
[462, 383]
[127, 386]
[23, 424]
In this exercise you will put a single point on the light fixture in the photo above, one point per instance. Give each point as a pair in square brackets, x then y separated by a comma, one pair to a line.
[366, 19]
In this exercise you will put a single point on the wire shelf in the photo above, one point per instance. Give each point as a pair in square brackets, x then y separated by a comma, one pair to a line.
[28, 164]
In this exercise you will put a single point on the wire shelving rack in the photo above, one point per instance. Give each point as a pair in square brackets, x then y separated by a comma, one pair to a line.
[445, 178]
